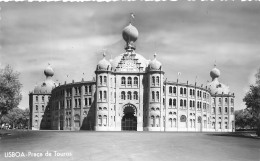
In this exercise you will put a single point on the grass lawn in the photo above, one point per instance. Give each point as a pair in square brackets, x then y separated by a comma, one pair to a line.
[127, 146]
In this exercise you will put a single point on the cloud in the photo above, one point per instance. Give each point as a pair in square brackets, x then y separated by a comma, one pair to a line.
[187, 37]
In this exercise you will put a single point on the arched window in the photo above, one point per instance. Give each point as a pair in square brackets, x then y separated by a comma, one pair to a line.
[104, 120]
[157, 80]
[105, 79]
[36, 107]
[184, 103]
[157, 96]
[157, 122]
[190, 103]
[42, 98]
[170, 89]
[181, 102]
[99, 120]
[129, 95]
[153, 95]
[89, 101]
[123, 95]
[199, 119]
[157, 108]
[174, 122]
[100, 80]
[226, 109]
[42, 107]
[100, 108]
[152, 121]
[153, 81]
[184, 91]
[170, 122]
[36, 98]
[174, 90]
[170, 113]
[198, 105]
[153, 109]
[174, 102]
[123, 80]
[170, 102]
[191, 92]
[219, 109]
[213, 110]
[193, 103]
[104, 108]
[219, 100]
[105, 95]
[200, 93]
[181, 90]
[129, 81]
[226, 101]
[135, 81]
[135, 95]
[100, 94]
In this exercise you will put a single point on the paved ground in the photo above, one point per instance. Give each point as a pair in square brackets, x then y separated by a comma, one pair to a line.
[127, 146]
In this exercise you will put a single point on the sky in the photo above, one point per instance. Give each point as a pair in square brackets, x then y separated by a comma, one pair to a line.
[188, 37]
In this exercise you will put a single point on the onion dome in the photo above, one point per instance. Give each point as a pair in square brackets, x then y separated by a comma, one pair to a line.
[48, 71]
[155, 64]
[46, 86]
[130, 33]
[215, 86]
[214, 73]
[103, 64]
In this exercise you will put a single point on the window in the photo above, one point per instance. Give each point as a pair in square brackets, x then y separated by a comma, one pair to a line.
[153, 81]
[86, 89]
[181, 102]
[76, 102]
[123, 80]
[193, 103]
[213, 109]
[157, 121]
[135, 95]
[226, 101]
[100, 79]
[170, 89]
[105, 79]
[79, 102]
[184, 103]
[135, 81]
[184, 91]
[42, 98]
[129, 97]
[232, 110]
[153, 95]
[219, 110]
[129, 81]
[123, 95]
[42, 107]
[191, 92]
[105, 95]
[86, 101]
[232, 101]
[190, 103]
[198, 105]
[181, 91]
[152, 121]
[89, 89]
[199, 119]
[157, 80]
[226, 109]
[174, 102]
[100, 94]
[36, 98]
[105, 120]
[89, 101]
[219, 100]
[99, 120]
[198, 93]
[157, 95]
[170, 102]
[174, 90]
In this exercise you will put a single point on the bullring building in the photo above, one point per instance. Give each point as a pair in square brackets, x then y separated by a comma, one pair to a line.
[131, 93]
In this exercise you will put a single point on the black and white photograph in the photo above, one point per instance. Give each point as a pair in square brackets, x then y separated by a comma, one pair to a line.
[130, 80]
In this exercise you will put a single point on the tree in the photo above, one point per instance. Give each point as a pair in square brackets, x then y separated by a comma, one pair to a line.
[244, 119]
[16, 117]
[10, 90]
[252, 100]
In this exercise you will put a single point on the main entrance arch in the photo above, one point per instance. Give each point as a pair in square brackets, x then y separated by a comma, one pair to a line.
[129, 120]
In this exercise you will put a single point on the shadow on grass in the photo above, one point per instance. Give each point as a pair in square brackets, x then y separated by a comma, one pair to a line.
[250, 134]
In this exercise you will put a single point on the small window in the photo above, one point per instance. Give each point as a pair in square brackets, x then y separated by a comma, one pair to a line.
[129, 81]
[135, 81]
[123, 80]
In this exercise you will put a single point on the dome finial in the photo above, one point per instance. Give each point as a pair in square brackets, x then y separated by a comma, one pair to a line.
[48, 71]
[132, 17]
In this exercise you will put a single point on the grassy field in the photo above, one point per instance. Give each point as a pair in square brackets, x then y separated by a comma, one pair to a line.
[127, 146]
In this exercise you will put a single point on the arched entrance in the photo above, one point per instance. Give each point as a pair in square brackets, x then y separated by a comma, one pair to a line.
[129, 121]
